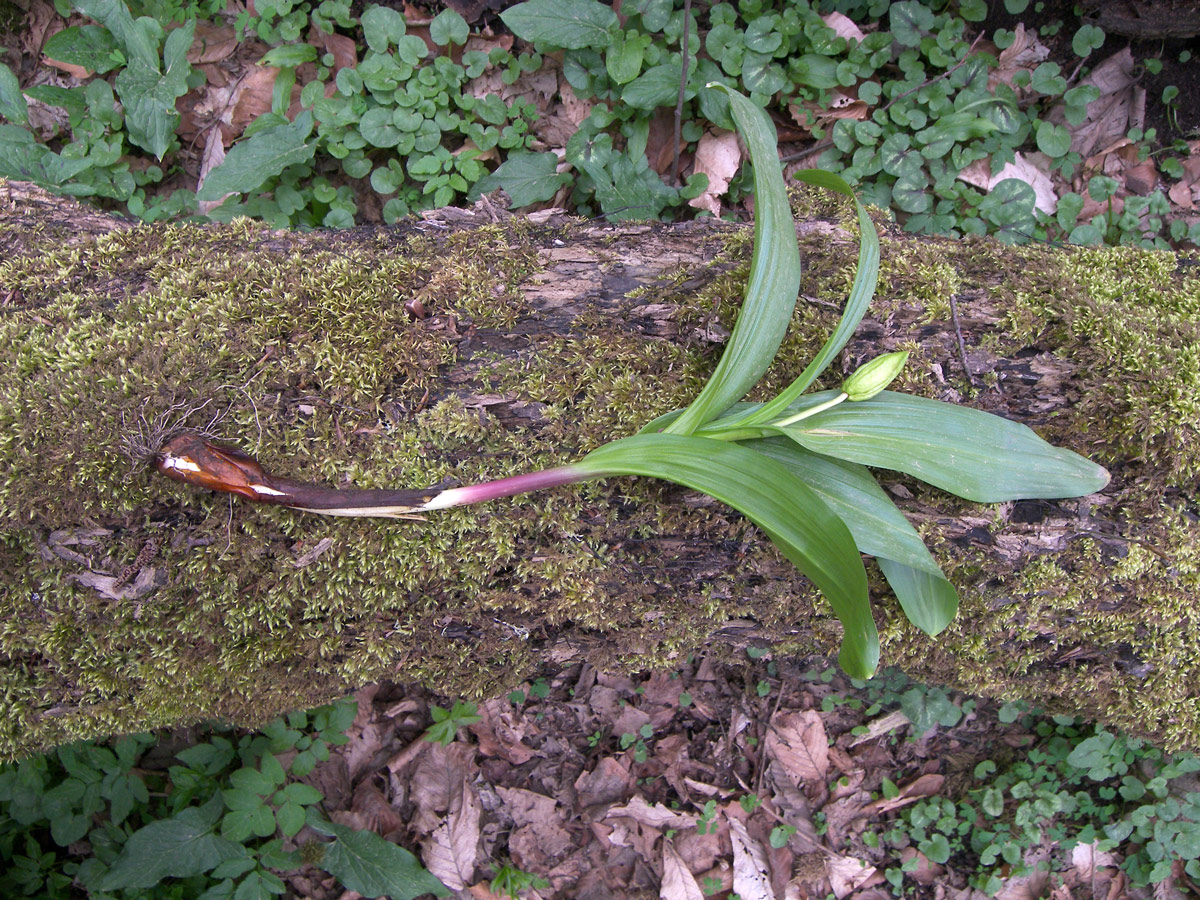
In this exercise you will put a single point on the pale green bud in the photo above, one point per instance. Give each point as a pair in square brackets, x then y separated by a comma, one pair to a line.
[873, 377]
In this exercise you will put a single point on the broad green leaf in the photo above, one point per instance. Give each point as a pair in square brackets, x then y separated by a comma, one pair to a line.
[794, 516]
[24, 159]
[964, 451]
[448, 27]
[181, 846]
[364, 862]
[90, 46]
[878, 527]
[623, 61]
[254, 160]
[866, 276]
[135, 40]
[655, 87]
[149, 95]
[382, 26]
[526, 178]
[567, 24]
[774, 276]
[12, 102]
[628, 190]
[289, 55]
[929, 601]
[849, 489]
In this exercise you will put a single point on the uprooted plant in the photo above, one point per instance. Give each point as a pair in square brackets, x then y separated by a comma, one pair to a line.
[796, 466]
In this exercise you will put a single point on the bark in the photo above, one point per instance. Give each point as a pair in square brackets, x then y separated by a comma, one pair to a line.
[475, 344]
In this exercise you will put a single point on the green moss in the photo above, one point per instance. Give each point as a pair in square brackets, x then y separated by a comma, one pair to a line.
[305, 355]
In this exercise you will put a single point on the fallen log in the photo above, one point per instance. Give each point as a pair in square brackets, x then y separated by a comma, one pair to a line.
[475, 344]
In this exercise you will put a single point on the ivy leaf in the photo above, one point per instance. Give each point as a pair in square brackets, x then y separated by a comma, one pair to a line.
[910, 21]
[180, 847]
[569, 24]
[12, 102]
[448, 27]
[253, 161]
[526, 178]
[90, 46]
[364, 862]
[149, 95]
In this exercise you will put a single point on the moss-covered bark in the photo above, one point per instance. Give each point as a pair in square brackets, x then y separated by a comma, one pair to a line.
[128, 601]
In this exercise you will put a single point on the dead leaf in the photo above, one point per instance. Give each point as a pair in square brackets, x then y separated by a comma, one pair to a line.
[678, 882]
[252, 97]
[451, 850]
[500, 734]
[213, 156]
[608, 782]
[1034, 171]
[843, 26]
[717, 156]
[1108, 116]
[212, 43]
[917, 789]
[80, 72]
[798, 742]
[656, 816]
[847, 874]
[751, 872]
[311, 556]
[1022, 55]
[343, 48]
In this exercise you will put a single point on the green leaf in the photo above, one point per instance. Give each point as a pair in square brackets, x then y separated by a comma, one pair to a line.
[90, 46]
[364, 862]
[149, 96]
[290, 817]
[130, 35]
[180, 847]
[567, 24]
[910, 21]
[289, 55]
[448, 27]
[526, 178]
[929, 601]
[12, 102]
[774, 277]
[382, 26]
[1053, 140]
[254, 160]
[627, 190]
[794, 516]
[658, 86]
[623, 60]
[878, 528]
[964, 451]
[866, 276]
[1087, 39]
[24, 159]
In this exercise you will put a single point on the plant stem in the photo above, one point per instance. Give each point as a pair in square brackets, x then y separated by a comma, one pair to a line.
[507, 487]
[820, 407]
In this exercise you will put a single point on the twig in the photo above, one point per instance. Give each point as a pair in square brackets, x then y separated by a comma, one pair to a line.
[687, 31]
[818, 147]
[937, 77]
[962, 348]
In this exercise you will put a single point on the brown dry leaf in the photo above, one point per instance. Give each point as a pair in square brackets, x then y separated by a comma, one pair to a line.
[213, 156]
[847, 874]
[500, 734]
[917, 789]
[893, 720]
[717, 156]
[1022, 55]
[376, 813]
[541, 834]
[1033, 169]
[1181, 195]
[608, 782]
[843, 26]
[343, 48]
[678, 882]
[41, 22]
[437, 782]
[798, 742]
[212, 43]
[451, 850]
[80, 72]
[1109, 115]
[562, 120]
[252, 97]
[656, 816]
[751, 872]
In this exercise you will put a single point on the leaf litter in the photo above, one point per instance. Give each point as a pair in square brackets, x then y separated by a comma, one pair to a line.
[719, 787]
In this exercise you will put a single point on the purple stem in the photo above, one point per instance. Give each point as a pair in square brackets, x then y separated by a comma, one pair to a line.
[507, 487]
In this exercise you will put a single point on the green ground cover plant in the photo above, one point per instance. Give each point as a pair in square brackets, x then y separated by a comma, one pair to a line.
[211, 826]
[405, 124]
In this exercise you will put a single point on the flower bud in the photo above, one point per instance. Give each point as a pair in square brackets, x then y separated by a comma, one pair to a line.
[873, 377]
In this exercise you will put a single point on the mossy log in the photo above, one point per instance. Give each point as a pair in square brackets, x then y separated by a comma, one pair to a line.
[472, 345]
